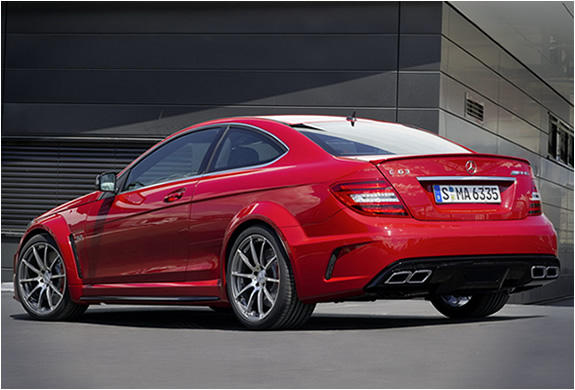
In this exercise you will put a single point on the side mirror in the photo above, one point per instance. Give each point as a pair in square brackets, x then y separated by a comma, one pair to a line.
[106, 182]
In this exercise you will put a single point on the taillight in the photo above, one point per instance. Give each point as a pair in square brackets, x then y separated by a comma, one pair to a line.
[371, 198]
[535, 200]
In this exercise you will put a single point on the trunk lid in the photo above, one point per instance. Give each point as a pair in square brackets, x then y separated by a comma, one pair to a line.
[461, 186]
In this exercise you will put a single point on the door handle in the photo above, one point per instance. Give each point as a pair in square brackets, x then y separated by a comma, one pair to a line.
[173, 196]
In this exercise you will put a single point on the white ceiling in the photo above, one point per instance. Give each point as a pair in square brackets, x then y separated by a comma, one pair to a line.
[538, 33]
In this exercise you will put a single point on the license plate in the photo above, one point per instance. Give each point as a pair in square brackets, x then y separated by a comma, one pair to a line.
[466, 194]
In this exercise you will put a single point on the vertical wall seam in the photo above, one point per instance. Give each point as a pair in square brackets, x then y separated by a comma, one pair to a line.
[398, 62]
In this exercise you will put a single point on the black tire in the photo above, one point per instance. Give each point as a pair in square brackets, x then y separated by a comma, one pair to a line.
[475, 306]
[258, 269]
[42, 282]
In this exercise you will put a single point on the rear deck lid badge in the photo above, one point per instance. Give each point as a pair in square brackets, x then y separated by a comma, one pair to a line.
[471, 167]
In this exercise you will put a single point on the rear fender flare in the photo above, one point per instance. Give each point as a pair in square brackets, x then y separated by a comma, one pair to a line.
[268, 213]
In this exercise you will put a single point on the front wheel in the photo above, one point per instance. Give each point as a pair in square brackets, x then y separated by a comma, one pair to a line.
[42, 283]
[260, 282]
[473, 306]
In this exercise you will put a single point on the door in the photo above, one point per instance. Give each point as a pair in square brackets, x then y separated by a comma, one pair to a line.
[237, 176]
[141, 235]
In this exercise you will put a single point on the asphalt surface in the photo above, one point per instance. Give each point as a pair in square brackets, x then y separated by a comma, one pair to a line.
[386, 344]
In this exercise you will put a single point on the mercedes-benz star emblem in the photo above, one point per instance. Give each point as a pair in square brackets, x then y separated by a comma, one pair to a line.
[471, 167]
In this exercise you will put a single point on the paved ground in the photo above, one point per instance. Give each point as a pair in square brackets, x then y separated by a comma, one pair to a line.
[387, 344]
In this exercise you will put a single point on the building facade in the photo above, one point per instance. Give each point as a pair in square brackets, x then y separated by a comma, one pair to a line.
[88, 86]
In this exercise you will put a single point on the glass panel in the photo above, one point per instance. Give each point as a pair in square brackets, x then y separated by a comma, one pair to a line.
[564, 140]
[570, 151]
[552, 150]
[374, 138]
[243, 147]
[177, 159]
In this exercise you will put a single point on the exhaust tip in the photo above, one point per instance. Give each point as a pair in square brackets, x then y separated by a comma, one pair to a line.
[538, 272]
[552, 272]
[398, 277]
[419, 276]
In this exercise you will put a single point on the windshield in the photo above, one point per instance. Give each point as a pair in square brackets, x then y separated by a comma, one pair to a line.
[375, 138]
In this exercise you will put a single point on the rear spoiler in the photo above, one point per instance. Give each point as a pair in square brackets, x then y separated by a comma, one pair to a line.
[381, 159]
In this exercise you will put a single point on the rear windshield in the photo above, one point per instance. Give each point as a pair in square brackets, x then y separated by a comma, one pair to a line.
[367, 138]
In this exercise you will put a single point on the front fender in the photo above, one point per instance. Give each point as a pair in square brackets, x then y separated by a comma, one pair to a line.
[56, 227]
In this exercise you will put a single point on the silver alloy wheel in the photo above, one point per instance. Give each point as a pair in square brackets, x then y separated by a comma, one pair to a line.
[255, 277]
[455, 301]
[41, 278]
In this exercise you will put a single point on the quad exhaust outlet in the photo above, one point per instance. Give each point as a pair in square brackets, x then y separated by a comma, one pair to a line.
[420, 276]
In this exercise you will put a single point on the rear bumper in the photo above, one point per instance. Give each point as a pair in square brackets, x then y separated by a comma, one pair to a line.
[341, 257]
[465, 275]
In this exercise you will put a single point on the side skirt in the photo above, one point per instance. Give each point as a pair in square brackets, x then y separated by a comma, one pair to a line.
[142, 299]
[194, 292]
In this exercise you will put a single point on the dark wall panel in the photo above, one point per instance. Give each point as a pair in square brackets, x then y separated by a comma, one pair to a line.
[425, 118]
[69, 119]
[258, 52]
[140, 120]
[9, 247]
[421, 17]
[420, 52]
[88, 66]
[203, 17]
[419, 90]
[200, 87]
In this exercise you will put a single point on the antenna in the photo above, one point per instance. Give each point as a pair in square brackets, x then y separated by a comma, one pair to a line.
[351, 119]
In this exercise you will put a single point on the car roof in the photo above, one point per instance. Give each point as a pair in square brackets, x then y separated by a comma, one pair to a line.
[292, 120]
[299, 119]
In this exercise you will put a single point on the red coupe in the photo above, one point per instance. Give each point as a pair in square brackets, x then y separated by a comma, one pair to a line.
[270, 215]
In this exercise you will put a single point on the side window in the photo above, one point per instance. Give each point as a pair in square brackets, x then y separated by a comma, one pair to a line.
[243, 148]
[177, 159]
[560, 141]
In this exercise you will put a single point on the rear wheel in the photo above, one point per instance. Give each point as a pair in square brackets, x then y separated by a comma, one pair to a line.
[42, 283]
[260, 283]
[473, 306]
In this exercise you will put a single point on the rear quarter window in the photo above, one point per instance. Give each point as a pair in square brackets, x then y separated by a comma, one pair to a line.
[242, 147]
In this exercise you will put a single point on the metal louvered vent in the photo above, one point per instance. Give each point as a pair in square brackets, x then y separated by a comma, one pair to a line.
[474, 109]
[39, 174]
